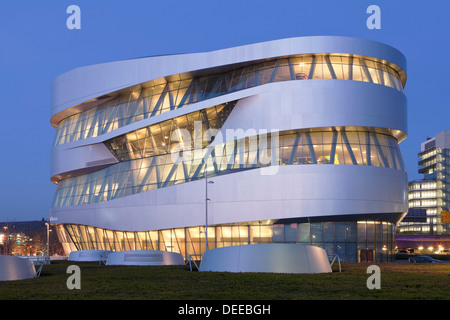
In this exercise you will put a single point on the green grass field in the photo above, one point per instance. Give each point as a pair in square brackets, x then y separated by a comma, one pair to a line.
[399, 281]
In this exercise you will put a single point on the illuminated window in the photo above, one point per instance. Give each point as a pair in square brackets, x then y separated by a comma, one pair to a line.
[158, 96]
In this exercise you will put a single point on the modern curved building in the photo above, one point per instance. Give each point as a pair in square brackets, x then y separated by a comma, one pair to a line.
[299, 136]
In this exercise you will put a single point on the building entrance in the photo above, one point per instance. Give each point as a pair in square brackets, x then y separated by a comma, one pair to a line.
[366, 255]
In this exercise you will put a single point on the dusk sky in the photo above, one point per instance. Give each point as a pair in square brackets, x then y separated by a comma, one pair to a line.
[36, 46]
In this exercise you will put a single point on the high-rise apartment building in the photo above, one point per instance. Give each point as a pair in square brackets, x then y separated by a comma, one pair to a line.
[424, 228]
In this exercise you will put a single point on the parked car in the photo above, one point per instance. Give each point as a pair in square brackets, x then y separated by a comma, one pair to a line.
[424, 259]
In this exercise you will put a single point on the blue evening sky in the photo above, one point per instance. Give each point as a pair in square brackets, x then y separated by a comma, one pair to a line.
[36, 46]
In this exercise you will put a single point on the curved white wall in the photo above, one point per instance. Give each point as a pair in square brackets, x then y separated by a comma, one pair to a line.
[145, 258]
[86, 83]
[293, 191]
[320, 103]
[16, 268]
[79, 160]
[270, 258]
[89, 255]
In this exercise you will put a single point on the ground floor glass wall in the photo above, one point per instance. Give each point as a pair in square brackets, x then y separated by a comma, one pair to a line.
[362, 241]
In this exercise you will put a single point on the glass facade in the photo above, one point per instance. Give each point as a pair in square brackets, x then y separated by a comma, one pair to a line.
[160, 96]
[428, 198]
[322, 146]
[183, 133]
[191, 147]
[362, 241]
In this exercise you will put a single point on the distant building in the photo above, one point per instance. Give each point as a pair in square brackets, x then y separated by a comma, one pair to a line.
[28, 238]
[429, 199]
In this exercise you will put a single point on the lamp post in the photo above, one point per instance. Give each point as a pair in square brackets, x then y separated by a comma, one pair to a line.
[48, 236]
[6, 239]
[206, 207]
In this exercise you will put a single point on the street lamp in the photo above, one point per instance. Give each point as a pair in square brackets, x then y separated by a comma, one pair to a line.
[206, 211]
[48, 236]
[6, 239]
[206, 206]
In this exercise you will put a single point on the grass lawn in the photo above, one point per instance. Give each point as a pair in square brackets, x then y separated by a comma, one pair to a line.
[399, 281]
